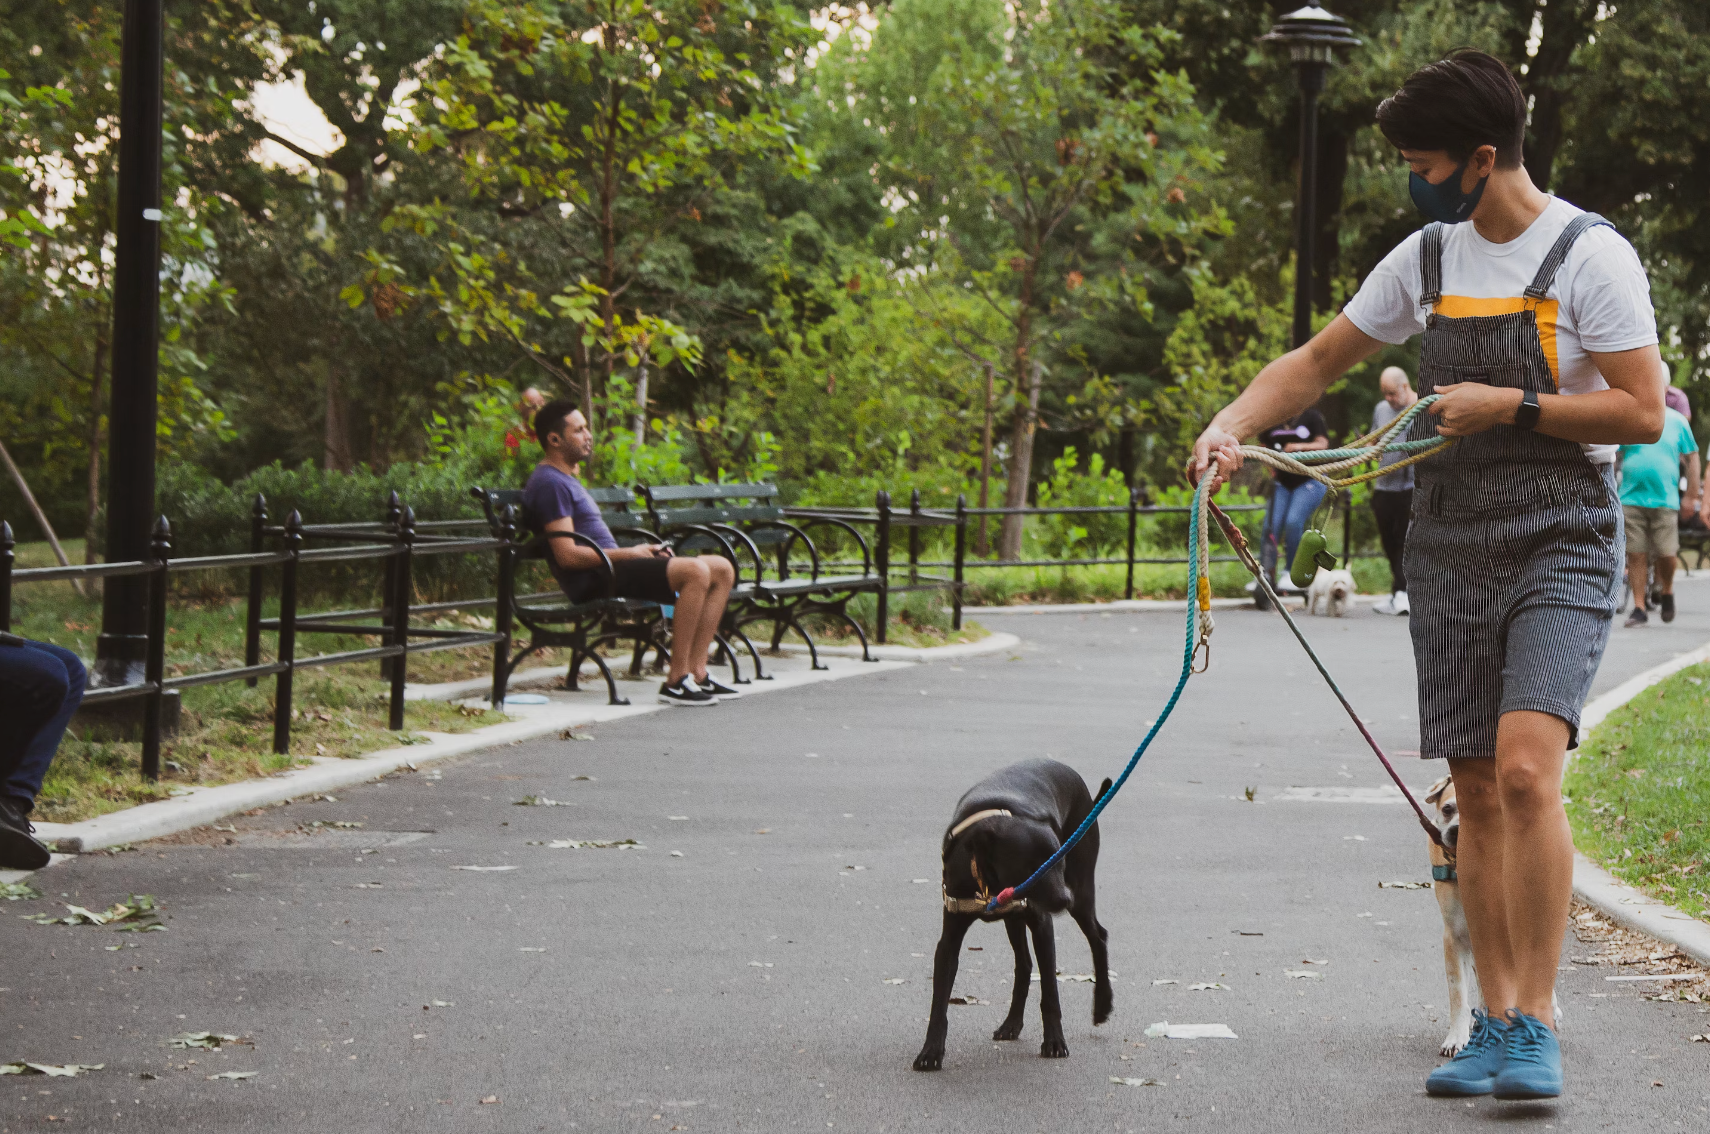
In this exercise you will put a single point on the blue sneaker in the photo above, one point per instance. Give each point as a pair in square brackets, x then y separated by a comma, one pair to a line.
[1533, 1067]
[1473, 1069]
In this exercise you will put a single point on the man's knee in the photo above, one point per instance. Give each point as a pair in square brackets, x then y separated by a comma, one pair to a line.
[690, 572]
[720, 570]
[1475, 789]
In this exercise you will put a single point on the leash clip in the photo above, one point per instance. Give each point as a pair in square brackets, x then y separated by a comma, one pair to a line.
[1204, 644]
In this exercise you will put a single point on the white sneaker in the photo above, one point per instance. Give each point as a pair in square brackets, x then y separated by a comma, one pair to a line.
[1384, 606]
[1252, 586]
[1400, 603]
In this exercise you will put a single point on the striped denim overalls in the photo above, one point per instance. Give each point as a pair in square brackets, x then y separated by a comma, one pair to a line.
[1514, 558]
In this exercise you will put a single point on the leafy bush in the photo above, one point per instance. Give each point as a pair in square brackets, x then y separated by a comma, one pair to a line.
[1081, 536]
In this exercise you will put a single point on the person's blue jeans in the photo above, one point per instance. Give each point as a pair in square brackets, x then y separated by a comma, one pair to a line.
[41, 686]
[1285, 520]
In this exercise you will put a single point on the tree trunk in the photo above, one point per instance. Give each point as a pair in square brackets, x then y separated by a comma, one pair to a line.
[640, 419]
[91, 524]
[981, 547]
[337, 451]
[1327, 212]
[1563, 26]
[1020, 462]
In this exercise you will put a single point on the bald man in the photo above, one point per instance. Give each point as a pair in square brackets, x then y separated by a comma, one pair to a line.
[1392, 493]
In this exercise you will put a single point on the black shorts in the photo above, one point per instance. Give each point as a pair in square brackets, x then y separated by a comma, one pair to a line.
[635, 578]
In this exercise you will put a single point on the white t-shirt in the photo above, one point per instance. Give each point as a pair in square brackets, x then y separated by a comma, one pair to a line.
[1600, 300]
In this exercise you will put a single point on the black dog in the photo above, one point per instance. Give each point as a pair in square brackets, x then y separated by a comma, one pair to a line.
[1004, 829]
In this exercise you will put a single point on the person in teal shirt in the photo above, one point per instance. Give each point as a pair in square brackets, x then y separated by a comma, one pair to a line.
[1652, 507]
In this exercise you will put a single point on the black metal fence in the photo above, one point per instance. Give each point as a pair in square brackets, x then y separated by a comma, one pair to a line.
[399, 540]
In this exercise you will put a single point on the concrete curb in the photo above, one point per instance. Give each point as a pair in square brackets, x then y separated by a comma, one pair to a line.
[1600, 889]
[1130, 606]
[200, 806]
[994, 643]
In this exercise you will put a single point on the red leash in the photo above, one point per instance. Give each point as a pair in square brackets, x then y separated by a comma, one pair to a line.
[1239, 543]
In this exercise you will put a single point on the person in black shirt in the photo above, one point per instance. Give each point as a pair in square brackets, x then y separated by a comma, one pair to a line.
[1295, 497]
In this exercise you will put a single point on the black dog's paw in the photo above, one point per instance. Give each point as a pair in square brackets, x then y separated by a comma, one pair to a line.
[1054, 1049]
[1008, 1030]
[929, 1060]
[1102, 1004]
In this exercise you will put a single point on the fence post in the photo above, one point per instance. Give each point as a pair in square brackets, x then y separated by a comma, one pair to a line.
[154, 664]
[1133, 530]
[1347, 525]
[401, 616]
[389, 585]
[287, 652]
[914, 538]
[961, 555]
[882, 561]
[7, 543]
[252, 616]
[507, 597]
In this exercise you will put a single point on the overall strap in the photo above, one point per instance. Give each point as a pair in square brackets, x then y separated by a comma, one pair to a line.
[1558, 253]
[1431, 264]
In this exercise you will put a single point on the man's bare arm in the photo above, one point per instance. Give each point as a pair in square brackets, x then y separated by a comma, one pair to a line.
[1280, 391]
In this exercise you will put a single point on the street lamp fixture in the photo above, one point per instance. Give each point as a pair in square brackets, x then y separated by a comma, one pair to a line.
[1312, 36]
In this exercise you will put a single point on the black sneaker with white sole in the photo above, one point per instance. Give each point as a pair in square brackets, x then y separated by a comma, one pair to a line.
[686, 693]
[716, 688]
[19, 849]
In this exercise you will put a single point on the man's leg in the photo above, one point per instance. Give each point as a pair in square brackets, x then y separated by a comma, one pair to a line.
[689, 577]
[1479, 867]
[721, 577]
[1393, 511]
[1665, 573]
[1638, 568]
[1515, 861]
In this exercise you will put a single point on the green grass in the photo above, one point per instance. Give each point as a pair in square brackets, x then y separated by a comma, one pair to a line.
[1639, 792]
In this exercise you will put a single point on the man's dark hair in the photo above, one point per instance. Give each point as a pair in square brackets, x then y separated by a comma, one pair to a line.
[1458, 104]
[550, 418]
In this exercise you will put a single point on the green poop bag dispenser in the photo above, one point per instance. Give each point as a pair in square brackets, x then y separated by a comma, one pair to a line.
[1312, 554]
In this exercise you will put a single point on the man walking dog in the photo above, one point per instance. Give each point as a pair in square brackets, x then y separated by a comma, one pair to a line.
[1540, 338]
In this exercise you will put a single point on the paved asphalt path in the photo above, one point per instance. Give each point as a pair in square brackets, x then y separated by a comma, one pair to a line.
[746, 985]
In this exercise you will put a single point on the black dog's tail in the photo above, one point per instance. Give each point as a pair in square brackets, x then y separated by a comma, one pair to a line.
[1103, 789]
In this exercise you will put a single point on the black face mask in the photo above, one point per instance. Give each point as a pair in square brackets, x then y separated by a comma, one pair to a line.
[1445, 201]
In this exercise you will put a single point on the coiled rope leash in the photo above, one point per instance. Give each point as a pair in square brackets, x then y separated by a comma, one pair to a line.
[1319, 465]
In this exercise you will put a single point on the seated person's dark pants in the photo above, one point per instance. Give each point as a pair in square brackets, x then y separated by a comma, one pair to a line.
[1394, 511]
[41, 686]
[634, 579]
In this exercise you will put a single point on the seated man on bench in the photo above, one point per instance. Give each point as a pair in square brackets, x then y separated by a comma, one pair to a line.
[698, 587]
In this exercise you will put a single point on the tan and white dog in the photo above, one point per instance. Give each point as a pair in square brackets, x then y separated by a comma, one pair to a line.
[1333, 589]
[1464, 992]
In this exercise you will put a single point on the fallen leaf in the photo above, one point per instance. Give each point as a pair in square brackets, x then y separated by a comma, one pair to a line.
[1302, 974]
[490, 1099]
[1120, 1081]
[539, 801]
[234, 1075]
[1404, 885]
[1310, 961]
[1656, 1082]
[207, 1041]
[1700, 1039]
[18, 892]
[968, 1000]
[571, 734]
[445, 1003]
[55, 1070]
[676, 854]
[1156, 983]
[1190, 1031]
[1207, 985]
[531, 949]
[895, 980]
[589, 844]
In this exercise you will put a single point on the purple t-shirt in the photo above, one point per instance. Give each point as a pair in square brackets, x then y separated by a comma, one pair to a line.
[551, 495]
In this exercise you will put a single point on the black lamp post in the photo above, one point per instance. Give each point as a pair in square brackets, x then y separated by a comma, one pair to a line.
[1311, 35]
[121, 648]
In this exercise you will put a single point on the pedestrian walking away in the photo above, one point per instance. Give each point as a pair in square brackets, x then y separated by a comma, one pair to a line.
[41, 686]
[1655, 511]
[1392, 493]
[1540, 342]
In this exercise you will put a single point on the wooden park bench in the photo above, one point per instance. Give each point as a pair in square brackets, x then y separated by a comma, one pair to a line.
[747, 524]
[584, 627]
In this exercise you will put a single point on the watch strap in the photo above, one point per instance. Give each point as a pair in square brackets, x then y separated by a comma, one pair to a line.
[1526, 414]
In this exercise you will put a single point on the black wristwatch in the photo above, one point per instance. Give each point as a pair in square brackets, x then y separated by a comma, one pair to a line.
[1526, 413]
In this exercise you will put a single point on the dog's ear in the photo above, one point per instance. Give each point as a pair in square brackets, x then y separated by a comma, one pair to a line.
[1436, 790]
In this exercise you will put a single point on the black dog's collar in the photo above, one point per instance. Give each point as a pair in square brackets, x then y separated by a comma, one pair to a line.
[977, 905]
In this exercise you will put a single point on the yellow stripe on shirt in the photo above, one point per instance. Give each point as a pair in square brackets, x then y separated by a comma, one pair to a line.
[1464, 306]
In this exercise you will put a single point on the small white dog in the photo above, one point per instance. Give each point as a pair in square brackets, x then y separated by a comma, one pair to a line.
[1464, 993]
[1332, 588]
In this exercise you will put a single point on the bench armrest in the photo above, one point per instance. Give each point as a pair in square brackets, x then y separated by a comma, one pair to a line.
[784, 550]
[546, 539]
[681, 530]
